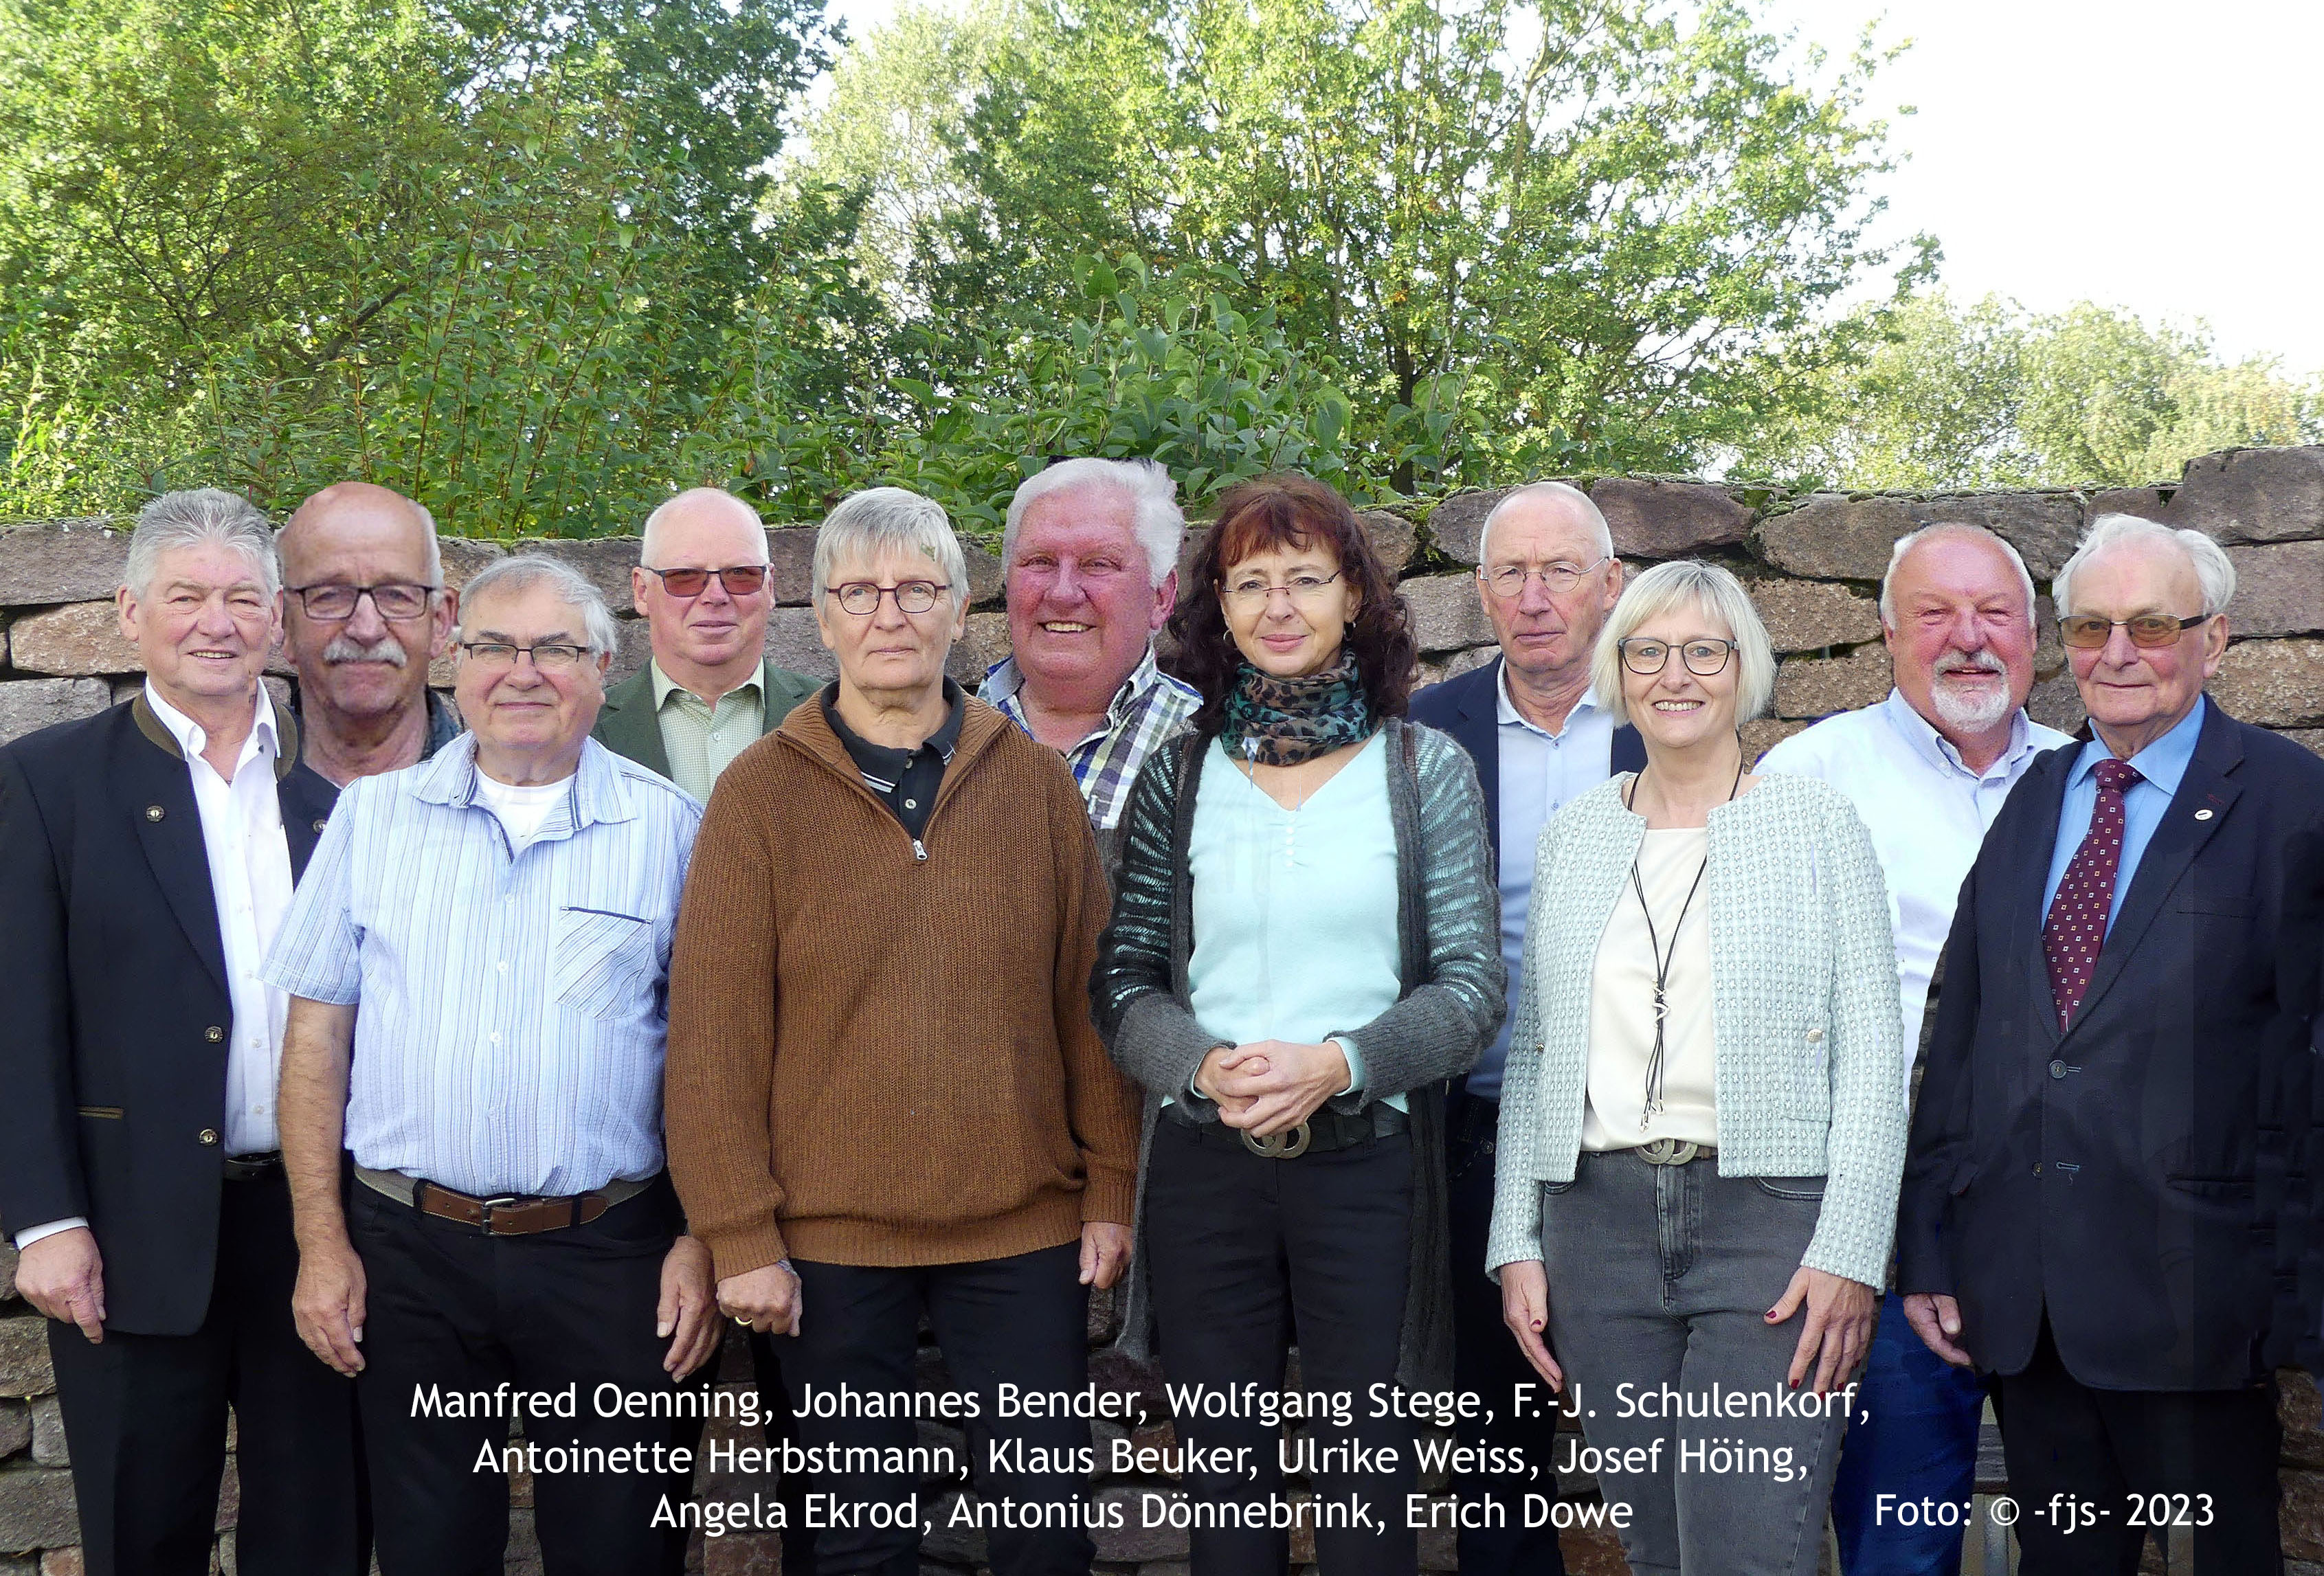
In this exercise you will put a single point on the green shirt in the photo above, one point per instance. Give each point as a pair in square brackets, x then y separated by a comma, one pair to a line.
[699, 739]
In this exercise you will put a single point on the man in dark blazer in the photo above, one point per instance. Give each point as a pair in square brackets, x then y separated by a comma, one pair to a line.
[1548, 575]
[703, 585]
[145, 856]
[2080, 1215]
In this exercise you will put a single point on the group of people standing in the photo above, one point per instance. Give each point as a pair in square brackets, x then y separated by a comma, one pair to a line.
[1520, 1036]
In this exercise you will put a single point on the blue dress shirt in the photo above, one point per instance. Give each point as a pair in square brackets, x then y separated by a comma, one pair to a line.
[2162, 764]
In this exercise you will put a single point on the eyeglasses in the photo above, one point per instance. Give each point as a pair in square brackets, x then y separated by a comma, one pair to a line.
[1702, 658]
[397, 601]
[548, 656]
[1509, 580]
[862, 597]
[1305, 590]
[2086, 632]
[741, 580]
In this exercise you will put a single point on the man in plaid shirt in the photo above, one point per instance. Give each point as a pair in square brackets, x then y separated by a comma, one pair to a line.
[1091, 550]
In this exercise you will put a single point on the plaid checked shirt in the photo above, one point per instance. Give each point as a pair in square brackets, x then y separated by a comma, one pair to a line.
[1149, 707]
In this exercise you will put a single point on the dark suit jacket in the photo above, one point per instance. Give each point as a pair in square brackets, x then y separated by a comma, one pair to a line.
[2116, 1176]
[629, 727]
[113, 1070]
[1468, 708]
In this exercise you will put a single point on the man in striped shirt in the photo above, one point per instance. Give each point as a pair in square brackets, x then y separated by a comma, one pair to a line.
[1092, 553]
[478, 963]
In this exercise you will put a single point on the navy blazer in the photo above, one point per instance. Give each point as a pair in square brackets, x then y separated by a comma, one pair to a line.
[113, 1072]
[2118, 1177]
[1468, 707]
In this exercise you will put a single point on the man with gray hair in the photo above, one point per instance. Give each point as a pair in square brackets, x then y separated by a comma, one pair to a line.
[365, 611]
[1928, 769]
[2086, 1215]
[478, 966]
[1091, 551]
[146, 858]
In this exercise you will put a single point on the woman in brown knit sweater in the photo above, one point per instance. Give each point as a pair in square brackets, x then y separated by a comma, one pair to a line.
[885, 1096]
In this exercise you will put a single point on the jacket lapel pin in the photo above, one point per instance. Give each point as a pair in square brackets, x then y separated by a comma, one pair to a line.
[2202, 814]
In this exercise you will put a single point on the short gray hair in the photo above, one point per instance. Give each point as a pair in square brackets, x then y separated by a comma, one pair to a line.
[1687, 582]
[192, 518]
[862, 523]
[1154, 517]
[1564, 493]
[1912, 538]
[522, 572]
[2213, 567]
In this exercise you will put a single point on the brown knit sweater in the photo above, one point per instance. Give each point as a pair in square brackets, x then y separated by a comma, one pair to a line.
[878, 1059]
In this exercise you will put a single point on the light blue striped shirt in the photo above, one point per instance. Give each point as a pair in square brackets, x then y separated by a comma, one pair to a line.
[513, 1004]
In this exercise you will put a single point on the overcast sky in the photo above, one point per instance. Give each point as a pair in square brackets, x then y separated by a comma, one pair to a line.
[2160, 155]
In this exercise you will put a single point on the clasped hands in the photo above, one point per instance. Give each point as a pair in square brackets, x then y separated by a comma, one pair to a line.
[1271, 1086]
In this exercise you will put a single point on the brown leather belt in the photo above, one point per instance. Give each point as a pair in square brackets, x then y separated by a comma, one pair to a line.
[503, 1214]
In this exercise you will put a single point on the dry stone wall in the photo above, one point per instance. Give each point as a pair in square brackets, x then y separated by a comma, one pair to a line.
[1812, 561]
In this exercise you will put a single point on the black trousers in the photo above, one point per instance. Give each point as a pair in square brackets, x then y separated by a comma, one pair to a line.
[145, 1420]
[453, 1311]
[1486, 1363]
[1248, 1256]
[2131, 1453]
[1022, 1321]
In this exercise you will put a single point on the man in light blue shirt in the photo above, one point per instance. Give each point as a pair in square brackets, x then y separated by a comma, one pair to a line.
[503, 917]
[1927, 770]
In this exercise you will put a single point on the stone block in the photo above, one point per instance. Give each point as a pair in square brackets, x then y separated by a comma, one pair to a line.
[15, 1427]
[1668, 520]
[1454, 524]
[1439, 1548]
[8, 1270]
[743, 1554]
[19, 1565]
[2301, 1517]
[1438, 670]
[1134, 1542]
[1764, 733]
[961, 1544]
[1446, 614]
[2253, 495]
[64, 560]
[986, 578]
[2055, 703]
[1808, 615]
[80, 638]
[1597, 1551]
[61, 1563]
[49, 1432]
[1808, 687]
[794, 642]
[605, 560]
[2302, 1417]
[1104, 1318]
[2146, 502]
[25, 1368]
[985, 642]
[791, 553]
[464, 560]
[2310, 739]
[1393, 537]
[36, 1510]
[29, 705]
[2277, 684]
[1834, 535]
[2279, 589]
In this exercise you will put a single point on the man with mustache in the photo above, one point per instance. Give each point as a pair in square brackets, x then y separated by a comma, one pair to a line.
[1928, 769]
[365, 611]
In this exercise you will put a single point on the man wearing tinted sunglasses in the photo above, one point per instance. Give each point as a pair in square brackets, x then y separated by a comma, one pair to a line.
[702, 587]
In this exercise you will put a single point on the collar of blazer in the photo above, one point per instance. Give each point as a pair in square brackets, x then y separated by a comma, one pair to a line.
[286, 732]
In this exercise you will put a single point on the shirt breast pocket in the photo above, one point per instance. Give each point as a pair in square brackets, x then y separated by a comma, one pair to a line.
[602, 961]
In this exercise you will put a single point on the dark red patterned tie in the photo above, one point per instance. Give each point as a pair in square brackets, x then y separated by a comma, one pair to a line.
[2077, 925]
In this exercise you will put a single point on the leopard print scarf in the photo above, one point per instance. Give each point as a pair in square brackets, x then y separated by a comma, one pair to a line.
[1282, 722]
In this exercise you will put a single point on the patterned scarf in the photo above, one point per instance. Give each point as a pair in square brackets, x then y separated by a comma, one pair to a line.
[1282, 722]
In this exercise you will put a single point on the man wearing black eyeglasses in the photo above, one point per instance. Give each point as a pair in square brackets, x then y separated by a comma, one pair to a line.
[365, 611]
[703, 586]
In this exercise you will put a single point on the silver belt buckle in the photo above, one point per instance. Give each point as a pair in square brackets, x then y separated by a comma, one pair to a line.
[1285, 1146]
[1668, 1151]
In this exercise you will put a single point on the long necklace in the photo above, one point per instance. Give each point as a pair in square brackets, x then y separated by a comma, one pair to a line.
[1663, 959]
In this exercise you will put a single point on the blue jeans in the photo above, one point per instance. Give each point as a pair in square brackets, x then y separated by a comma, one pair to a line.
[1919, 1443]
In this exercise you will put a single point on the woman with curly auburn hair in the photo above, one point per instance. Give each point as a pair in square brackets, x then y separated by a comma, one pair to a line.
[1305, 945]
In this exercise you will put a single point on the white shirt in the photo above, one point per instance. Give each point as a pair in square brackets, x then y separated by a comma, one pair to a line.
[1622, 1003]
[1926, 811]
[522, 809]
[249, 862]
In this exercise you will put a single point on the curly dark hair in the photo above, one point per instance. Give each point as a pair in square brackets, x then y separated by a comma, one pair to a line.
[1290, 511]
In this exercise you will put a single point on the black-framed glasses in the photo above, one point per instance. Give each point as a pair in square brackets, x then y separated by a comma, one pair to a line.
[741, 580]
[1509, 580]
[398, 601]
[1702, 658]
[1255, 592]
[862, 597]
[548, 656]
[2087, 632]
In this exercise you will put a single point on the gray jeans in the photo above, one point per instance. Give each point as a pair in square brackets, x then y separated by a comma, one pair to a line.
[1660, 1278]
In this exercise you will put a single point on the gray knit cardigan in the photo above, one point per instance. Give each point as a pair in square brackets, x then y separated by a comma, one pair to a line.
[1454, 991]
[1809, 1075]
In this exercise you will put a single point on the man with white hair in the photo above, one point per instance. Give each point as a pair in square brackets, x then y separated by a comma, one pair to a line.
[703, 585]
[365, 611]
[2086, 1215]
[1928, 769]
[146, 858]
[477, 963]
[1091, 551]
